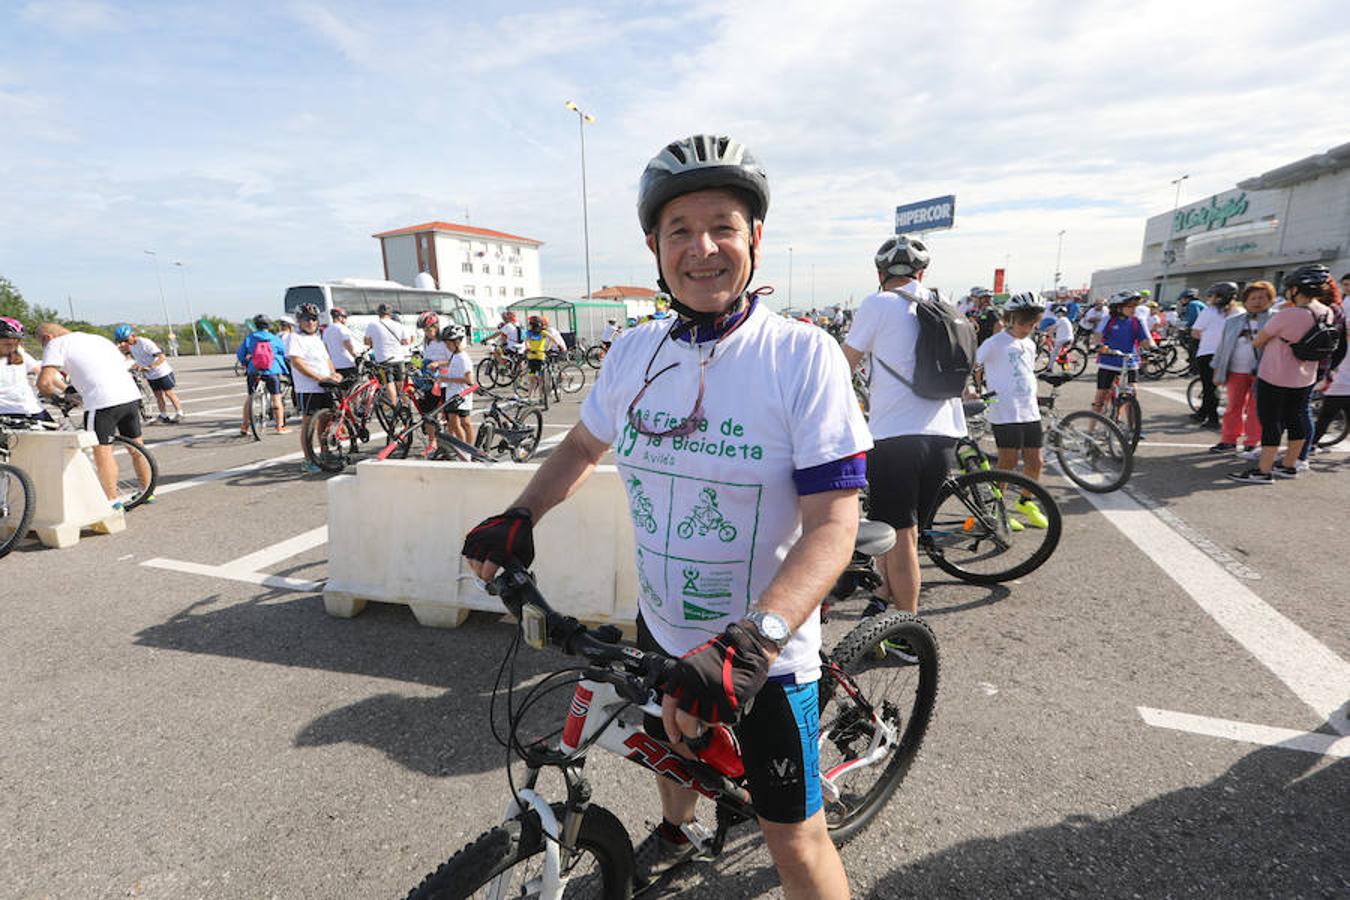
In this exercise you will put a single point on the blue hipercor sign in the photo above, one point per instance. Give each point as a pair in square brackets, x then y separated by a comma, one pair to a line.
[927, 215]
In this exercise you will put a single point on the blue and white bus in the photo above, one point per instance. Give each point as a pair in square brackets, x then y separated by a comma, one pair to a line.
[362, 297]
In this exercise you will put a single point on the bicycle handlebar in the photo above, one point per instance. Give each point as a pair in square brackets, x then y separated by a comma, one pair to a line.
[637, 674]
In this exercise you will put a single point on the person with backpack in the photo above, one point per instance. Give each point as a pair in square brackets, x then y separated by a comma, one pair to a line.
[1292, 344]
[265, 355]
[1119, 337]
[923, 351]
[388, 343]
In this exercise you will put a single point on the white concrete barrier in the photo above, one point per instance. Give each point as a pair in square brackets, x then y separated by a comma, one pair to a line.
[395, 530]
[69, 496]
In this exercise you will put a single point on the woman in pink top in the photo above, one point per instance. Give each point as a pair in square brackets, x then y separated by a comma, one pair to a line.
[1283, 381]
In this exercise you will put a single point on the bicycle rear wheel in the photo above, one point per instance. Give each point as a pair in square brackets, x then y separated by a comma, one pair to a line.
[1337, 430]
[526, 433]
[1194, 394]
[137, 472]
[571, 378]
[258, 404]
[595, 356]
[508, 861]
[877, 692]
[975, 531]
[1126, 414]
[486, 372]
[1075, 361]
[1091, 451]
[18, 498]
[328, 439]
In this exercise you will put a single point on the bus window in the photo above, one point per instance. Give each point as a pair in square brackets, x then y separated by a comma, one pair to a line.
[350, 299]
[306, 294]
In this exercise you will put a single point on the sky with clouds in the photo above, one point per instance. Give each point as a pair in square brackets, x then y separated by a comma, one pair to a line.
[262, 144]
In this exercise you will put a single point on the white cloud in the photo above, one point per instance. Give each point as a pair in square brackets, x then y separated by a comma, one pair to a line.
[74, 18]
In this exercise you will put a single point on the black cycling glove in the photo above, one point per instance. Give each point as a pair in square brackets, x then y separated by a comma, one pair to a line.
[715, 681]
[503, 539]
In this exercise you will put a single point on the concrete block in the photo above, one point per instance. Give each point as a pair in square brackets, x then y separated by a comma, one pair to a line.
[396, 528]
[69, 496]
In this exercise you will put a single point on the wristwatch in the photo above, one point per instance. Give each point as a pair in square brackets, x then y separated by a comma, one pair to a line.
[770, 626]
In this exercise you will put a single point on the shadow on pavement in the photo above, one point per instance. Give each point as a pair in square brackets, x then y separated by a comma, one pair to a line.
[1273, 825]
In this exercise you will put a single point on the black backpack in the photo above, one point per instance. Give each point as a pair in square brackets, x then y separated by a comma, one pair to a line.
[1319, 343]
[944, 353]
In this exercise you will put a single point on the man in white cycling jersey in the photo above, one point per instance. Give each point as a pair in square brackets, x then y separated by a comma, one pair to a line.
[737, 432]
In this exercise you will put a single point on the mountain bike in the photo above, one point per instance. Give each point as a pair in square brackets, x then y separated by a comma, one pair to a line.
[1122, 402]
[1339, 427]
[499, 368]
[510, 427]
[556, 377]
[875, 706]
[1195, 396]
[1071, 358]
[137, 470]
[1089, 448]
[148, 405]
[18, 496]
[333, 436]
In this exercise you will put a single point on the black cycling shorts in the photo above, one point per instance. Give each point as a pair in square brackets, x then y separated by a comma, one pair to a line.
[1106, 377]
[310, 403]
[1018, 435]
[273, 382]
[391, 371]
[904, 475]
[123, 419]
[163, 383]
[779, 741]
[535, 365]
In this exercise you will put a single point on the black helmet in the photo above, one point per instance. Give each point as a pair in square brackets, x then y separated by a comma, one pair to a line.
[902, 255]
[697, 163]
[307, 311]
[1224, 290]
[383, 308]
[1308, 279]
[261, 322]
[452, 332]
[1189, 293]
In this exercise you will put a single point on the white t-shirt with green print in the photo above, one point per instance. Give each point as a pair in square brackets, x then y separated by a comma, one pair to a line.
[715, 513]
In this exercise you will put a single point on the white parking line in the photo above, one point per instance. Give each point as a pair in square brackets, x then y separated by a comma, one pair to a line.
[232, 574]
[1265, 735]
[274, 554]
[207, 387]
[236, 409]
[1309, 668]
[183, 439]
[227, 473]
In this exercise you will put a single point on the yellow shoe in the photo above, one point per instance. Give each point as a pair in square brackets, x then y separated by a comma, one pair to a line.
[1032, 513]
[1014, 525]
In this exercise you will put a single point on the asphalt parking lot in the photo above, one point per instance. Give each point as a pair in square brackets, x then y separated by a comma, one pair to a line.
[1159, 711]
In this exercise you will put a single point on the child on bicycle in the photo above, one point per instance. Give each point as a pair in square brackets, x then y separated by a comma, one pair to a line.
[1063, 334]
[1006, 365]
[457, 375]
[1119, 337]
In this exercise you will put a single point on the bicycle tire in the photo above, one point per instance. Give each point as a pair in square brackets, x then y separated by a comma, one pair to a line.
[486, 372]
[486, 437]
[1194, 394]
[329, 453]
[516, 841]
[845, 715]
[130, 490]
[1336, 430]
[981, 515]
[258, 403]
[1154, 367]
[571, 378]
[403, 420]
[1042, 360]
[386, 412]
[16, 489]
[1077, 447]
[530, 417]
[148, 403]
[1180, 363]
[595, 356]
[1126, 414]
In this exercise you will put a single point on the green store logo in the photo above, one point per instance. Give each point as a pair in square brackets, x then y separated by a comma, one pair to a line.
[1214, 215]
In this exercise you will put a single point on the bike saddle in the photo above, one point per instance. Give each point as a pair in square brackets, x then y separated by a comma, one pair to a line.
[1055, 380]
[972, 408]
[874, 538]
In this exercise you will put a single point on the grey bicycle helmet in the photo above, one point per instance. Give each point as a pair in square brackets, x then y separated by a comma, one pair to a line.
[261, 322]
[1120, 298]
[902, 255]
[1024, 300]
[452, 333]
[1308, 278]
[697, 163]
[1224, 290]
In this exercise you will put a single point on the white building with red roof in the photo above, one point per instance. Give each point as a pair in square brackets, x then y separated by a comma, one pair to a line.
[492, 268]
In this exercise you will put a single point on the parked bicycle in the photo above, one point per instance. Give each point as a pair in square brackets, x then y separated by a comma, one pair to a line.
[137, 470]
[499, 368]
[510, 427]
[1122, 404]
[18, 496]
[333, 436]
[875, 706]
[1071, 359]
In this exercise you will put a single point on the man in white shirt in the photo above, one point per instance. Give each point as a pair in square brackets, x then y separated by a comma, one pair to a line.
[388, 343]
[914, 436]
[112, 402]
[741, 451]
[608, 335]
[1208, 330]
[341, 345]
[150, 359]
[311, 370]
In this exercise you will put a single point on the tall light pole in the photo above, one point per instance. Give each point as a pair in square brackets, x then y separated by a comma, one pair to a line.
[1168, 252]
[196, 345]
[162, 302]
[583, 119]
[1059, 254]
[789, 277]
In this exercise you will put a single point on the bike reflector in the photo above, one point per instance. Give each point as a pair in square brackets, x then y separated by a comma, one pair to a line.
[536, 630]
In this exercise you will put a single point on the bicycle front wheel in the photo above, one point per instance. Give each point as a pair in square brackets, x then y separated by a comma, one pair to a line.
[327, 439]
[1091, 451]
[487, 372]
[18, 498]
[595, 356]
[528, 431]
[877, 692]
[1194, 394]
[571, 378]
[981, 532]
[1075, 361]
[137, 472]
[508, 861]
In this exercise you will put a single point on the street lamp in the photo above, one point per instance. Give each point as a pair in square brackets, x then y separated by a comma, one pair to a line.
[162, 302]
[789, 277]
[196, 345]
[583, 119]
[1059, 253]
[1168, 253]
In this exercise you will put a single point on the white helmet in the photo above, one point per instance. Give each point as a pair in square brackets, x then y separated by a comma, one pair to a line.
[1024, 300]
[902, 255]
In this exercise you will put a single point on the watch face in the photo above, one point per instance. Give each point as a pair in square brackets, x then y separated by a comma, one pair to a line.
[773, 627]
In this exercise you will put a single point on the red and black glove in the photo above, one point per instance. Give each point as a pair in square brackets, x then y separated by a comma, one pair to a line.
[503, 539]
[716, 680]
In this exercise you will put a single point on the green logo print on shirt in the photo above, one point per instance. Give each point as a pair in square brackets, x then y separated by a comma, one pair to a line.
[706, 517]
[640, 506]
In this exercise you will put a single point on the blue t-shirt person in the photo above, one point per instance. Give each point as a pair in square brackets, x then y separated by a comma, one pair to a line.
[1191, 311]
[245, 352]
[1073, 310]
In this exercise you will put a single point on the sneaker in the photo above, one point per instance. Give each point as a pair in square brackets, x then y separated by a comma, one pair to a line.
[1211, 423]
[176, 418]
[1252, 453]
[899, 650]
[658, 854]
[1197, 417]
[1301, 466]
[1252, 476]
[1222, 447]
[1283, 471]
[1032, 513]
[875, 606]
[165, 418]
[310, 468]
